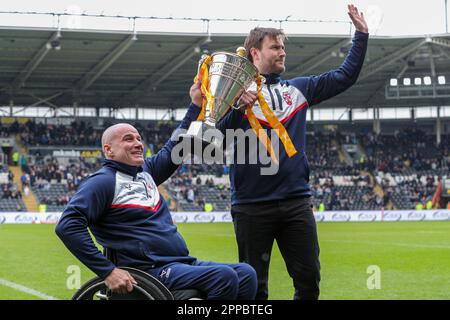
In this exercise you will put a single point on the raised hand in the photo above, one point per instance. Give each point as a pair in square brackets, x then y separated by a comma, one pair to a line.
[357, 19]
[247, 99]
[196, 93]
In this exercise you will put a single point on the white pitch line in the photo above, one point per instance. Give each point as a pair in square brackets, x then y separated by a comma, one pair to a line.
[27, 290]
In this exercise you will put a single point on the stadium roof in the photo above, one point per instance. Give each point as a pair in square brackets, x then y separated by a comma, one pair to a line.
[119, 69]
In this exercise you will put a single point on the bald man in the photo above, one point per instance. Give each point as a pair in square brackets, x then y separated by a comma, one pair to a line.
[122, 207]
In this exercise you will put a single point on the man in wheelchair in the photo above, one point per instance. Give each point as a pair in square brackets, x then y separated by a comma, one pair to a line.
[122, 207]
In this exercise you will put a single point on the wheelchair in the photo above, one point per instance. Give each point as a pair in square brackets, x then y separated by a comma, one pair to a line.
[147, 288]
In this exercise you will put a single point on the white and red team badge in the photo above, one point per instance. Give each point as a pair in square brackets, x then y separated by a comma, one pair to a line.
[287, 98]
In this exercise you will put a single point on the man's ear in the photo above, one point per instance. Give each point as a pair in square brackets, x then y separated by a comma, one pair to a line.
[107, 151]
[254, 53]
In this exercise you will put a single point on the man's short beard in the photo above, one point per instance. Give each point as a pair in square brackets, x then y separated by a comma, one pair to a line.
[279, 70]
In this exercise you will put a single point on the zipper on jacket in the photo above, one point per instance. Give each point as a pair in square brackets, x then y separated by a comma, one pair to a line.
[145, 187]
[280, 100]
[274, 107]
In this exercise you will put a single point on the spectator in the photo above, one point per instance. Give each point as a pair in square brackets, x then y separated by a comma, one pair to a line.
[15, 158]
[419, 206]
[26, 190]
[321, 207]
[208, 207]
[42, 207]
[190, 195]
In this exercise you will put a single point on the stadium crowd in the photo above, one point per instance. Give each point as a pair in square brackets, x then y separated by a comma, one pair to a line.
[406, 166]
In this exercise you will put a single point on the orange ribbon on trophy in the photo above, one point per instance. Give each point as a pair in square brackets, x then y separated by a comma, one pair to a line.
[203, 76]
[261, 134]
[274, 123]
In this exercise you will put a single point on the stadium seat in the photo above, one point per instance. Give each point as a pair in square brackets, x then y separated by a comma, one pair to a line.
[147, 288]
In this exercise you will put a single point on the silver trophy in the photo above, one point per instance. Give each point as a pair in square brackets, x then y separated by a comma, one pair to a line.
[230, 75]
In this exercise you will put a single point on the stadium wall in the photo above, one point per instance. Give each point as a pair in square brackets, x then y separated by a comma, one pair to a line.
[224, 216]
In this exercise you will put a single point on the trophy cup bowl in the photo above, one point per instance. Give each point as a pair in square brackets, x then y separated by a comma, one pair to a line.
[230, 75]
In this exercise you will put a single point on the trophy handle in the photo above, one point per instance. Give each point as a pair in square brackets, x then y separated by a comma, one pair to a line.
[200, 63]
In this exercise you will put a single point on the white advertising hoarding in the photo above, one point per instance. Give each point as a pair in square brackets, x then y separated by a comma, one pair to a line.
[225, 216]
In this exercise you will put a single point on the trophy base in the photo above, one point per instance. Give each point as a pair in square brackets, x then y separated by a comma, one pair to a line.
[204, 133]
[201, 136]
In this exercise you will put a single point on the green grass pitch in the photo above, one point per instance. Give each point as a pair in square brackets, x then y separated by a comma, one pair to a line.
[413, 259]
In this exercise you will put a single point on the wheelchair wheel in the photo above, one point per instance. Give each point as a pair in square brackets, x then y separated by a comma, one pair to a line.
[147, 288]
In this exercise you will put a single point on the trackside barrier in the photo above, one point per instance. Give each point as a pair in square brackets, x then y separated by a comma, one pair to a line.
[224, 216]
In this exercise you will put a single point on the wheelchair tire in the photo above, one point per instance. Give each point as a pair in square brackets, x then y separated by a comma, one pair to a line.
[147, 288]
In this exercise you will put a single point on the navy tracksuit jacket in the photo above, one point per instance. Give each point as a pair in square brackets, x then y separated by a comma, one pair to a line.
[125, 212]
